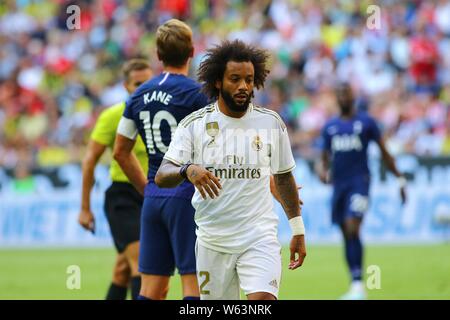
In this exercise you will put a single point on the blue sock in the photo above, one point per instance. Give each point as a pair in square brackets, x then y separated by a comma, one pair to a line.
[191, 298]
[139, 297]
[135, 287]
[116, 292]
[353, 254]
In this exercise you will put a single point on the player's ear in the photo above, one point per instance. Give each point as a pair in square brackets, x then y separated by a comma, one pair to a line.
[157, 54]
[125, 84]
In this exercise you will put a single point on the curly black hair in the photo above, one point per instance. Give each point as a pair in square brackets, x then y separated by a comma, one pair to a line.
[212, 68]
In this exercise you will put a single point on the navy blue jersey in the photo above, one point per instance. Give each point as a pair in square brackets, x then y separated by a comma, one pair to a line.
[347, 141]
[157, 107]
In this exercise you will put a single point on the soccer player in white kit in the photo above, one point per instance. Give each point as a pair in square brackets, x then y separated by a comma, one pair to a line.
[229, 150]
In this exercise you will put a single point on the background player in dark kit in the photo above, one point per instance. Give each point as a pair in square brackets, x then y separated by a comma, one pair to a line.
[345, 141]
[153, 112]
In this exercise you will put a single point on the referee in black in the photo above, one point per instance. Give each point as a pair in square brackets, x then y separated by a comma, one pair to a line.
[122, 201]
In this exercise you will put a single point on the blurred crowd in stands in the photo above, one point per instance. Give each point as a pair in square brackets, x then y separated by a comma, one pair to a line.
[55, 81]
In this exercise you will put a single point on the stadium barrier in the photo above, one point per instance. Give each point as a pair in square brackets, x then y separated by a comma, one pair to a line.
[48, 215]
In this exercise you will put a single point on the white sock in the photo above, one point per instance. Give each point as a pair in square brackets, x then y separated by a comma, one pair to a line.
[357, 285]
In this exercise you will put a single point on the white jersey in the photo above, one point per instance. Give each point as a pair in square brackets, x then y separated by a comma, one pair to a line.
[242, 153]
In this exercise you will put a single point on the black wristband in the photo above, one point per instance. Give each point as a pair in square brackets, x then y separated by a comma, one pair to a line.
[183, 170]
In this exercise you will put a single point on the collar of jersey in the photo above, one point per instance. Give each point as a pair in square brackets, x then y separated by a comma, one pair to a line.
[250, 109]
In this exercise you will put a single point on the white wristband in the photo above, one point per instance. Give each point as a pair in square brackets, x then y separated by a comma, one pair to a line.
[297, 226]
[401, 181]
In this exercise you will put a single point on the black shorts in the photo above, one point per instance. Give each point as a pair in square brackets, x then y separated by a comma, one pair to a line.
[123, 205]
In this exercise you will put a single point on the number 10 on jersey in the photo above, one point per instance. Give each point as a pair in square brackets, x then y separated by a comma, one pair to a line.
[153, 130]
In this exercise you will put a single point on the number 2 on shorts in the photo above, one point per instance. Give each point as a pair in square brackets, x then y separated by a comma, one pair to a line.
[205, 281]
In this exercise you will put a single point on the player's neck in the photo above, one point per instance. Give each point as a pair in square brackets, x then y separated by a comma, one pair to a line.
[184, 70]
[348, 115]
[227, 111]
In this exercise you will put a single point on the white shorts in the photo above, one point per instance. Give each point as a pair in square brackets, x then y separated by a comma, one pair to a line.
[256, 270]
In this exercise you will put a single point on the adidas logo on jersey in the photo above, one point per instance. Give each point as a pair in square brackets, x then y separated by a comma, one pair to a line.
[274, 283]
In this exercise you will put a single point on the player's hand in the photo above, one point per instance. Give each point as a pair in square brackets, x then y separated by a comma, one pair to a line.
[87, 220]
[322, 172]
[324, 176]
[403, 195]
[299, 199]
[298, 251]
[402, 184]
[204, 181]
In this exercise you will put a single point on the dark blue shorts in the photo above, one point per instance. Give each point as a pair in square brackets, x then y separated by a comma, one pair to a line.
[167, 236]
[350, 199]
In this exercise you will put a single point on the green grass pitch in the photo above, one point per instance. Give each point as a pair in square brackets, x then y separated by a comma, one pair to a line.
[407, 272]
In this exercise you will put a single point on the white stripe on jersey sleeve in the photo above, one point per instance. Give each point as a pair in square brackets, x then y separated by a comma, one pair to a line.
[181, 147]
[127, 128]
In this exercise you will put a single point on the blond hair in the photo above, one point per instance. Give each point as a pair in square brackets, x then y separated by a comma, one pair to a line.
[174, 43]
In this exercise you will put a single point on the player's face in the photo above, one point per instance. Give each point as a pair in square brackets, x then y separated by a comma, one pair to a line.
[236, 88]
[344, 97]
[136, 78]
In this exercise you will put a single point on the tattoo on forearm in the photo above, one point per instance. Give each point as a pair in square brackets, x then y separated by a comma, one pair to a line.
[193, 173]
[287, 188]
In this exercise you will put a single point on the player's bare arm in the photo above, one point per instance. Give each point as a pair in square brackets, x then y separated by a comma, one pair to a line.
[127, 160]
[170, 175]
[94, 151]
[323, 167]
[276, 194]
[390, 164]
[287, 189]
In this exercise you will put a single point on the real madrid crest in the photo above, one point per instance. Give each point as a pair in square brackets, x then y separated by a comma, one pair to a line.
[257, 143]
